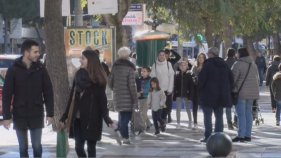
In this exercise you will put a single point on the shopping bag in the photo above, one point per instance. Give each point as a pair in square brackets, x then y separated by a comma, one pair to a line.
[138, 124]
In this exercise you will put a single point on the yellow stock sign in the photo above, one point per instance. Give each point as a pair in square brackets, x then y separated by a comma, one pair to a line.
[77, 39]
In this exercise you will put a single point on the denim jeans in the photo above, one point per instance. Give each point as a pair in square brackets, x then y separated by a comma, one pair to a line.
[80, 142]
[156, 117]
[183, 101]
[124, 119]
[261, 74]
[278, 108]
[228, 115]
[208, 111]
[245, 117]
[35, 135]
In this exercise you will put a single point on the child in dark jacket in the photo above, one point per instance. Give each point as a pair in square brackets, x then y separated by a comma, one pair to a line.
[183, 91]
[143, 87]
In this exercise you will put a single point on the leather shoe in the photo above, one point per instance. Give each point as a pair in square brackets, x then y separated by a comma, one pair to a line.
[238, 139]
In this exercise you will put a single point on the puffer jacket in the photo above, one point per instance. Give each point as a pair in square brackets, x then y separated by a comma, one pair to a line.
[276, 86]
[123, 83]
[250, 88]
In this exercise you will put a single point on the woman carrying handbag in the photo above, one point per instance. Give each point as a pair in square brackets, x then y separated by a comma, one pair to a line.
[86, 111]
[246, 86]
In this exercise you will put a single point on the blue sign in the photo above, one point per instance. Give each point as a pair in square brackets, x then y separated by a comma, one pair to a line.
[135, 7]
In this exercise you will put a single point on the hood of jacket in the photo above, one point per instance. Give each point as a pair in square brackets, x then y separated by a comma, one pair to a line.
[217, 61]
[124, 62]
[34, 65]
[277, 76]
[247, 59]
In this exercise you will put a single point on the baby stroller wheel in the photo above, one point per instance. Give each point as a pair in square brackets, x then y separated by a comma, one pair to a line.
[257, 122]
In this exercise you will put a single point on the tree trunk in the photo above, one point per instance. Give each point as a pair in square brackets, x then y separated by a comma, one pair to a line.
[248, 42]
[56, 60]
[78, 18]
[276, 44]
[227, 36]
[116, 20]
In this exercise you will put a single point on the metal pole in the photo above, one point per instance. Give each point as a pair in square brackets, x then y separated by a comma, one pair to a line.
[78, 18]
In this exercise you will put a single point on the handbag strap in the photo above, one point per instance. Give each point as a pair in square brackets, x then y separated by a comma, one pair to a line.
[245, 78]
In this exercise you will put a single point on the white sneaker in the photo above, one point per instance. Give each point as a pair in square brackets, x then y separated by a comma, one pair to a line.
[126, 141]
[178, 126]
[195, 126]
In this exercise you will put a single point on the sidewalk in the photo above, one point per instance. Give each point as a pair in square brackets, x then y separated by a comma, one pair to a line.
[174, 143]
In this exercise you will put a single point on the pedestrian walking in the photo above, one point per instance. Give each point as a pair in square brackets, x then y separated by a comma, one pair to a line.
[183, 92]
[230, 60]
[28, 88]
[246, 80]
[90, 105]
[196, 69]
[156, 101]
[271, 70]
[123, 83]
[163, 71]
[276, 90]
[261, 64]
[143, 87]
[215, 83]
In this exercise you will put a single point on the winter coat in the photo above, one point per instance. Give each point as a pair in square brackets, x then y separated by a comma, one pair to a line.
[123, 83]
[230, 62]
[215, 83]
[183, 85]
[28, 90]
[271, 70]
[164, 73]
[250, 88]
[276, 86]
[260, 61]
[91, 104]
[156, 100]
[143, 84]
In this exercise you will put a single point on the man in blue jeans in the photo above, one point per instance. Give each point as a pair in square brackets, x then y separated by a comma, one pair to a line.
[28, 88]
[214, 84]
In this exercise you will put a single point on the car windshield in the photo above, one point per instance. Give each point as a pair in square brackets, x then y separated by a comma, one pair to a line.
[5, 63]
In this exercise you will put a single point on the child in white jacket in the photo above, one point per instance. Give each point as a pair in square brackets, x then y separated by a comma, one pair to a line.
[156, 101]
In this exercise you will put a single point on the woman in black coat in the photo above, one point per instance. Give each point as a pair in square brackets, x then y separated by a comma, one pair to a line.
[90, 104]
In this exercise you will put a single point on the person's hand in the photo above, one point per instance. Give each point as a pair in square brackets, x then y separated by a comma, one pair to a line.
[113, 125]
[49, 121]
[7, 124]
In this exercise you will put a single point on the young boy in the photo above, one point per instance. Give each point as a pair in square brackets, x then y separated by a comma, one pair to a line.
[143, 87]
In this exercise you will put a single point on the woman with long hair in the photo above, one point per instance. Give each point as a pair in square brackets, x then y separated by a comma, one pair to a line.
[90, 104]
[195, 72]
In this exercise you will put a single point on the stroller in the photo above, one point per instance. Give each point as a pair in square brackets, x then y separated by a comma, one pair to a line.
[257, 117]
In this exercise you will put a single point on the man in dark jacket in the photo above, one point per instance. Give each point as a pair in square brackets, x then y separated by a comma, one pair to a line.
[28, 87]
[214, 84]
[271, 70]
[230, 60]
[261, 64]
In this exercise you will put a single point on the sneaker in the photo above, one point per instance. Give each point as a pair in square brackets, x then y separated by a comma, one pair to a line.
[195, 126]
[126, 141]
[178, 126]
[118, 137]
[238, 139]
[204, 140]
[247, 139]
[156, 133]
